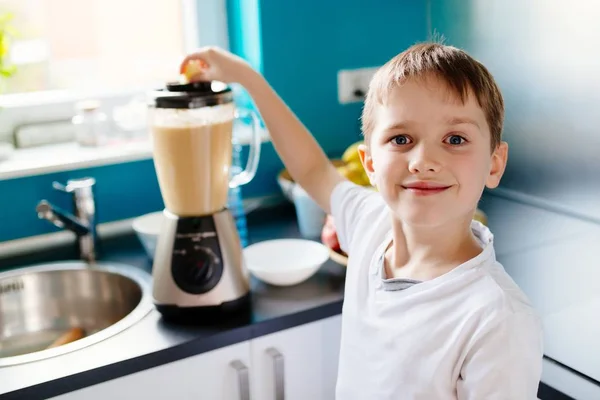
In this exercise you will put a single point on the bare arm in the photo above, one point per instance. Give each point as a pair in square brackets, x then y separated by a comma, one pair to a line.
[303, 157]
[298, 149]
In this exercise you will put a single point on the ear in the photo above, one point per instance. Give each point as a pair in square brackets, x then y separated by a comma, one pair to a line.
[367, 162]
[498, 165]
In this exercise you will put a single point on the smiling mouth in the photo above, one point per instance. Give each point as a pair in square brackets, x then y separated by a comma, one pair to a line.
[425, 189]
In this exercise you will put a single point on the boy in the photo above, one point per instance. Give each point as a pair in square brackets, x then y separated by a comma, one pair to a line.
[428, 312]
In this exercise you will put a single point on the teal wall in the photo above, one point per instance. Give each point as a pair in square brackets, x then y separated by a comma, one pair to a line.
[305, 43]
[299, 46]
[122, 191]
[454, 20]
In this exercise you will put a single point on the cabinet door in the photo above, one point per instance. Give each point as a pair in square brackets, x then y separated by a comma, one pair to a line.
[215, 375]
[298, 363]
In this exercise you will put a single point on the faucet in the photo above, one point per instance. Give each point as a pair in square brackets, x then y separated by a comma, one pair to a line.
[83, 223]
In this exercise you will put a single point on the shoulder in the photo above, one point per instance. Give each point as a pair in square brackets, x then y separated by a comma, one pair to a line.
[501, 291]
[491, 286]
[501, 307]
[359, 213]
[347, 197]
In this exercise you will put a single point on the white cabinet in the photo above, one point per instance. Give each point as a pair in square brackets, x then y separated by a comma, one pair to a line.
[294, 364]
[298, 363]
[215, 375]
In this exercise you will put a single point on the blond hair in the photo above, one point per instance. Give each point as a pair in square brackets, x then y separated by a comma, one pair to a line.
[461, 73]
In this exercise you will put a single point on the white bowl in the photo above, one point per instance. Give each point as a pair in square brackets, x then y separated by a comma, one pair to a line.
[147, 228]
[285, 262]
[286, 186]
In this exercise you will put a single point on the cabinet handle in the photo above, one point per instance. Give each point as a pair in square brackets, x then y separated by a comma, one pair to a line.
[278, 372]
[243, 382]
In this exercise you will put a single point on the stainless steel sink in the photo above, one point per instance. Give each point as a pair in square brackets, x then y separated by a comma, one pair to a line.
[43, 305]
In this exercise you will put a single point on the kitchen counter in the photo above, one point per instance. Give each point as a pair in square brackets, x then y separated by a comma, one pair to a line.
[152, 342]
[551, 257]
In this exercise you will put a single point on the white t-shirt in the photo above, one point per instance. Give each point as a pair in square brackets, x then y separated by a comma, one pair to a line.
[468, 334]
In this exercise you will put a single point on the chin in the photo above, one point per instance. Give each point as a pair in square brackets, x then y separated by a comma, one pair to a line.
[426, 215]
[422, 218]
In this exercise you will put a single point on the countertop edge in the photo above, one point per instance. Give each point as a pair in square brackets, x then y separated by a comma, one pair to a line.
[191, 348]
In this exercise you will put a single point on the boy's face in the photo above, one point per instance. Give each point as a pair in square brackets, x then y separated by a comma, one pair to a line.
[429, 154]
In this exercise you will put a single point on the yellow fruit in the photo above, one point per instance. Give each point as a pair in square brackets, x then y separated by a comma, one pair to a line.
[343, 171]
[364, 178]
[348, 173]
[351, 153]
[355, 173]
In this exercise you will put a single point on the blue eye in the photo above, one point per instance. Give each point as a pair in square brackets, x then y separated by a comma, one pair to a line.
[401, 140]
[456, 140]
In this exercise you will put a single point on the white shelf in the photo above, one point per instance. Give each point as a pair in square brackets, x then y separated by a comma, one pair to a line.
[71, 156]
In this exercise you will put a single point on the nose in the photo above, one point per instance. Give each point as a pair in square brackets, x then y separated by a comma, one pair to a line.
[423, 160]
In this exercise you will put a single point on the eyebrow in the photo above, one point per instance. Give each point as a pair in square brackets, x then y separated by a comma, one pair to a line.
[452, 121]
[462, 120]
[399, 126]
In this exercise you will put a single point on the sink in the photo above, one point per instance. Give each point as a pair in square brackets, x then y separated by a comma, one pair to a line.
[72, 302]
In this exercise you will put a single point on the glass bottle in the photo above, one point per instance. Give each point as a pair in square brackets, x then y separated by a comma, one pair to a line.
[91, 124]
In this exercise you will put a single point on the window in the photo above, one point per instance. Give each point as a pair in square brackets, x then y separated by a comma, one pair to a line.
[67, 50]
[93, 44]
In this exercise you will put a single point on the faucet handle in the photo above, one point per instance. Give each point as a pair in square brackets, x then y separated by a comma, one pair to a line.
[75, 185]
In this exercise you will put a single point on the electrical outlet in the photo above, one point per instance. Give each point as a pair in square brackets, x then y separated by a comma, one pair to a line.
[353, 84]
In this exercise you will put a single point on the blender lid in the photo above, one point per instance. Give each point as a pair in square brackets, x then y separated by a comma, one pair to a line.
[191, 95]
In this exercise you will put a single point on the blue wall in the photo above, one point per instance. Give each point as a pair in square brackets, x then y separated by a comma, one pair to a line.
[299, 47]
[303, 44]
[122, 191]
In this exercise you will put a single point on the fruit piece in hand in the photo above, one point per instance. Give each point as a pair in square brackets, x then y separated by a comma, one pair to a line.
[329, 235]
[192, 69]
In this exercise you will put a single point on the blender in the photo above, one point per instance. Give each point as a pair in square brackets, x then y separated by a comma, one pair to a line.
[198, 269]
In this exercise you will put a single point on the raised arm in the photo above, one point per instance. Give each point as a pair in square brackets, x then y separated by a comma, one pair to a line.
[299, 151]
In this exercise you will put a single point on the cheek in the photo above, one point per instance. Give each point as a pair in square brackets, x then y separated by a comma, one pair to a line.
[386, 163]
[387, 172]
[472, 171]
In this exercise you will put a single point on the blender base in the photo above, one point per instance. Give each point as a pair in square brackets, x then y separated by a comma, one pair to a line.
[239, 310]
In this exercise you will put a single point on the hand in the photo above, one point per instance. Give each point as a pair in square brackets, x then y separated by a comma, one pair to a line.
[329, 234]
[213, 63]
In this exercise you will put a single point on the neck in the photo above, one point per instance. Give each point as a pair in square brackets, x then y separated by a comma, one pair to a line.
[426, 252]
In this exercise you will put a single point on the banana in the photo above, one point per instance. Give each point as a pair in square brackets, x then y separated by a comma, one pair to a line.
[351, 153]
[355, 173]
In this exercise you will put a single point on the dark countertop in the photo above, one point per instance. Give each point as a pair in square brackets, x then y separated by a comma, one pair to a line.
[152, 342]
